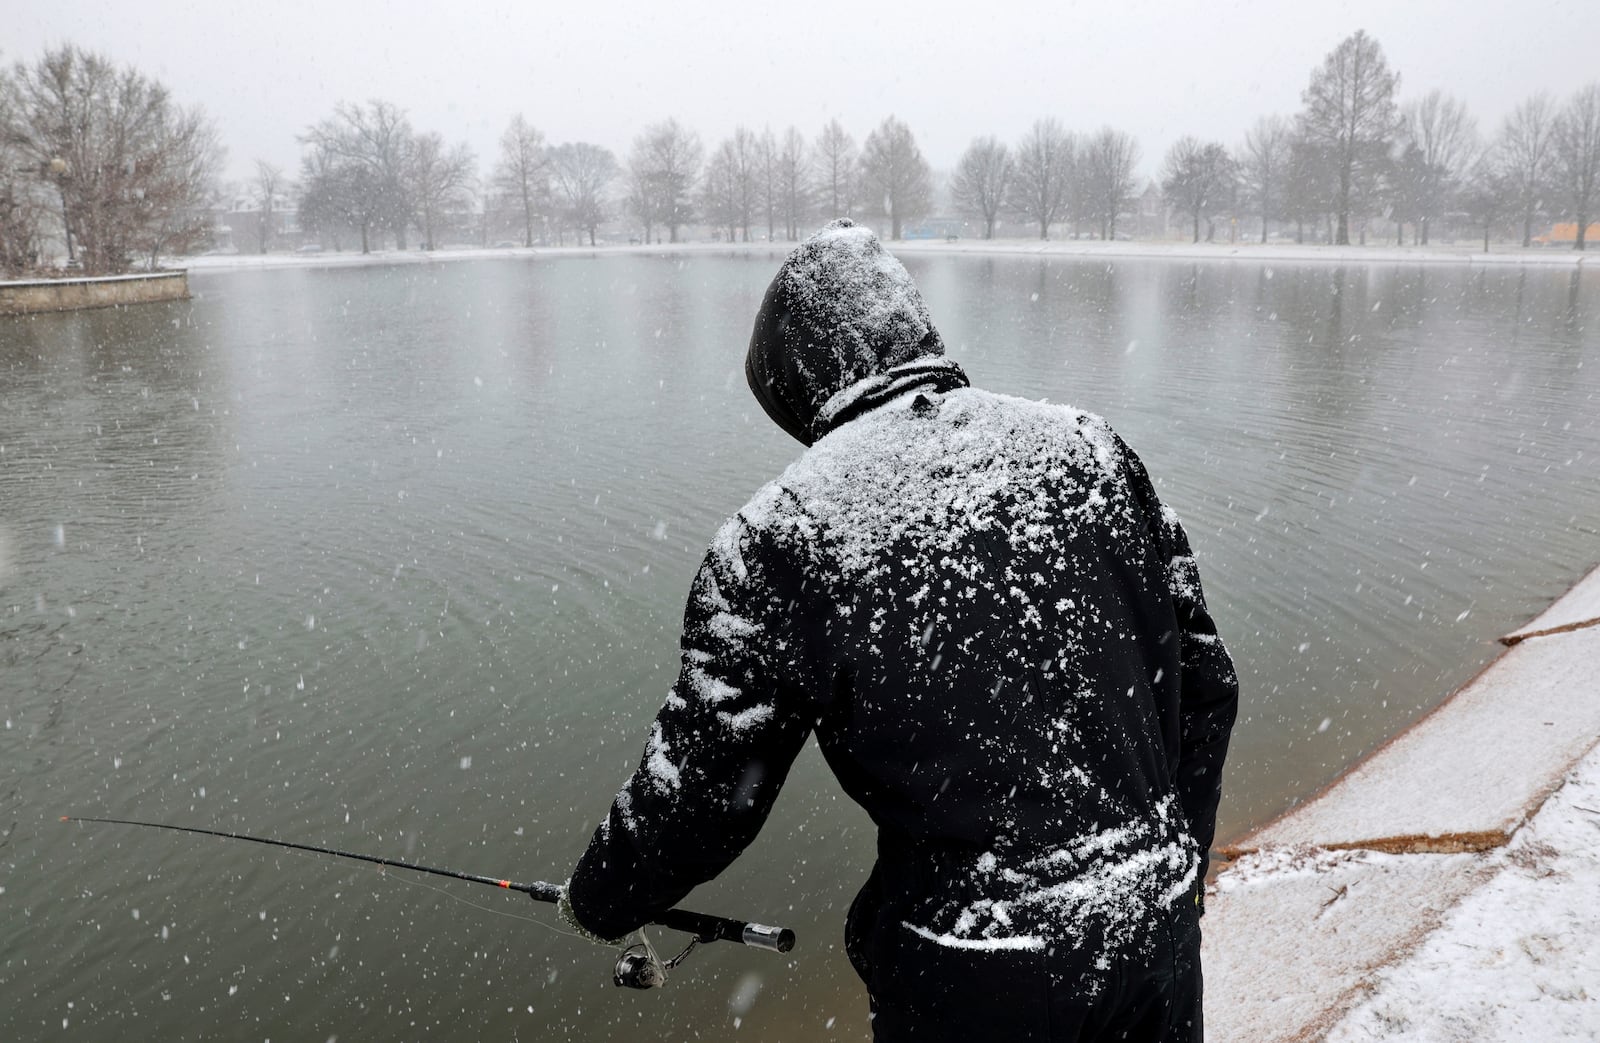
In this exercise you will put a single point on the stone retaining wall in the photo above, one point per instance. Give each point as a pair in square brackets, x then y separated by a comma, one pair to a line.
[36, 295]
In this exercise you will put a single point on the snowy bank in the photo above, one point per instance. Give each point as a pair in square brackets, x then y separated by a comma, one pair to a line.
[1271, 253]
[378, 258]
[1516, 959]
[1443, 888]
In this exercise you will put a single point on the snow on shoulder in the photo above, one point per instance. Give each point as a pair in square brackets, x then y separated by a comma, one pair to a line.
[944, 481]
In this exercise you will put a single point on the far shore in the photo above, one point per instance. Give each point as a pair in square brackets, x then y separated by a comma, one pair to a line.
[1268, 253]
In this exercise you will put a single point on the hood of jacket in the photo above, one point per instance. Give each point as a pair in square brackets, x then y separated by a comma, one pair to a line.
[842, 329]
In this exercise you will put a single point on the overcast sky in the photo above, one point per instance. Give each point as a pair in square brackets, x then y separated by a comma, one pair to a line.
[599, 71]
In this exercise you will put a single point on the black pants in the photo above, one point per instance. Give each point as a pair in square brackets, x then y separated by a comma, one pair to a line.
[927, 992]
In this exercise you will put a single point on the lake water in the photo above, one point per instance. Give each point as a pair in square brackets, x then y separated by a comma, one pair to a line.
[393, 559]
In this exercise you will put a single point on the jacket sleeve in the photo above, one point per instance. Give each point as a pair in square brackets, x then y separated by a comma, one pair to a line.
[717, 752]
[1209, 686]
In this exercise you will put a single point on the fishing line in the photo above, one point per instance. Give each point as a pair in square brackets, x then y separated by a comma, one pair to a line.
[384, 874]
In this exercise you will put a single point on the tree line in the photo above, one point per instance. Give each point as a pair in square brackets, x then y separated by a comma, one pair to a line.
[102, 157]
[365, 171]
[1354, 152]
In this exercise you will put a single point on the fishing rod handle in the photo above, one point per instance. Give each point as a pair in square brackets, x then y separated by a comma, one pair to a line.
[718, 928]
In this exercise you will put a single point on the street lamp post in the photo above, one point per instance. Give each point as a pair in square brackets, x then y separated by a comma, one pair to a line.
[61, 171]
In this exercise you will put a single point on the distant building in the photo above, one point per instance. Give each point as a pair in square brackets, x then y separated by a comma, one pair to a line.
[1565, 233]
[933, 228]
[1150, 214]
[238, 221]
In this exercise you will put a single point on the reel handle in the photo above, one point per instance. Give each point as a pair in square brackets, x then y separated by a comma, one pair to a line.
[773, 939]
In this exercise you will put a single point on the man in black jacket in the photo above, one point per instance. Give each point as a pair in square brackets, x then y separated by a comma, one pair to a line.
[998, 634]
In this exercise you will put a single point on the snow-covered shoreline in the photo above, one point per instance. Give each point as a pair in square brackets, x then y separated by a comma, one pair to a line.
[1270, 253]
[379, 258]
[1278, 253]
[1444, 888]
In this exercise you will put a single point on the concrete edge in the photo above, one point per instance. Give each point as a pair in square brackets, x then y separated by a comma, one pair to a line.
[1467, 842]
[1244, 844]
[40, 296]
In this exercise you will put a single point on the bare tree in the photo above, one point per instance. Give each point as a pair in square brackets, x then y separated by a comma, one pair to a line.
[24, 207]
[523, 172]
[440, 179]
[836, 170]
[894, 175]
[766, 177]
[1524, 155]
[639, 198]
[1108, 161]
[1350, 110]
[1577, 156]
[1403, 184]
[1196, 179]
[268, 186]
[1486, 194]
[733, 183]
[179, 175]
[1263, 163]
[22, 215]
[662, 171]
[582, 174]
[982, 180]
[333, 199]
[794, 182]
[719, 191]
[743, 150]
[1446, 142]
[363, 157]
[1310, 187]
[132, 169]
[1046, 163]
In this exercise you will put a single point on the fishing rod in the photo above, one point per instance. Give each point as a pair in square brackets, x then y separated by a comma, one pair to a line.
[637, 968]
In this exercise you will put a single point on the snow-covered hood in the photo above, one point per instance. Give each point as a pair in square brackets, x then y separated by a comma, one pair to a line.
[842, 328]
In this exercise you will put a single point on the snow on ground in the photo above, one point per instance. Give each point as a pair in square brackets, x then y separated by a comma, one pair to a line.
[1295, 253]
[333, 259]
[354, 258]
[1283, 253]
[1517, 959]
[1291, 936]
[1447, 888]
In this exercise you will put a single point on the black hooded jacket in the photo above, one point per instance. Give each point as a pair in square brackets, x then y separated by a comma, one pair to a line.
[979, 606]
